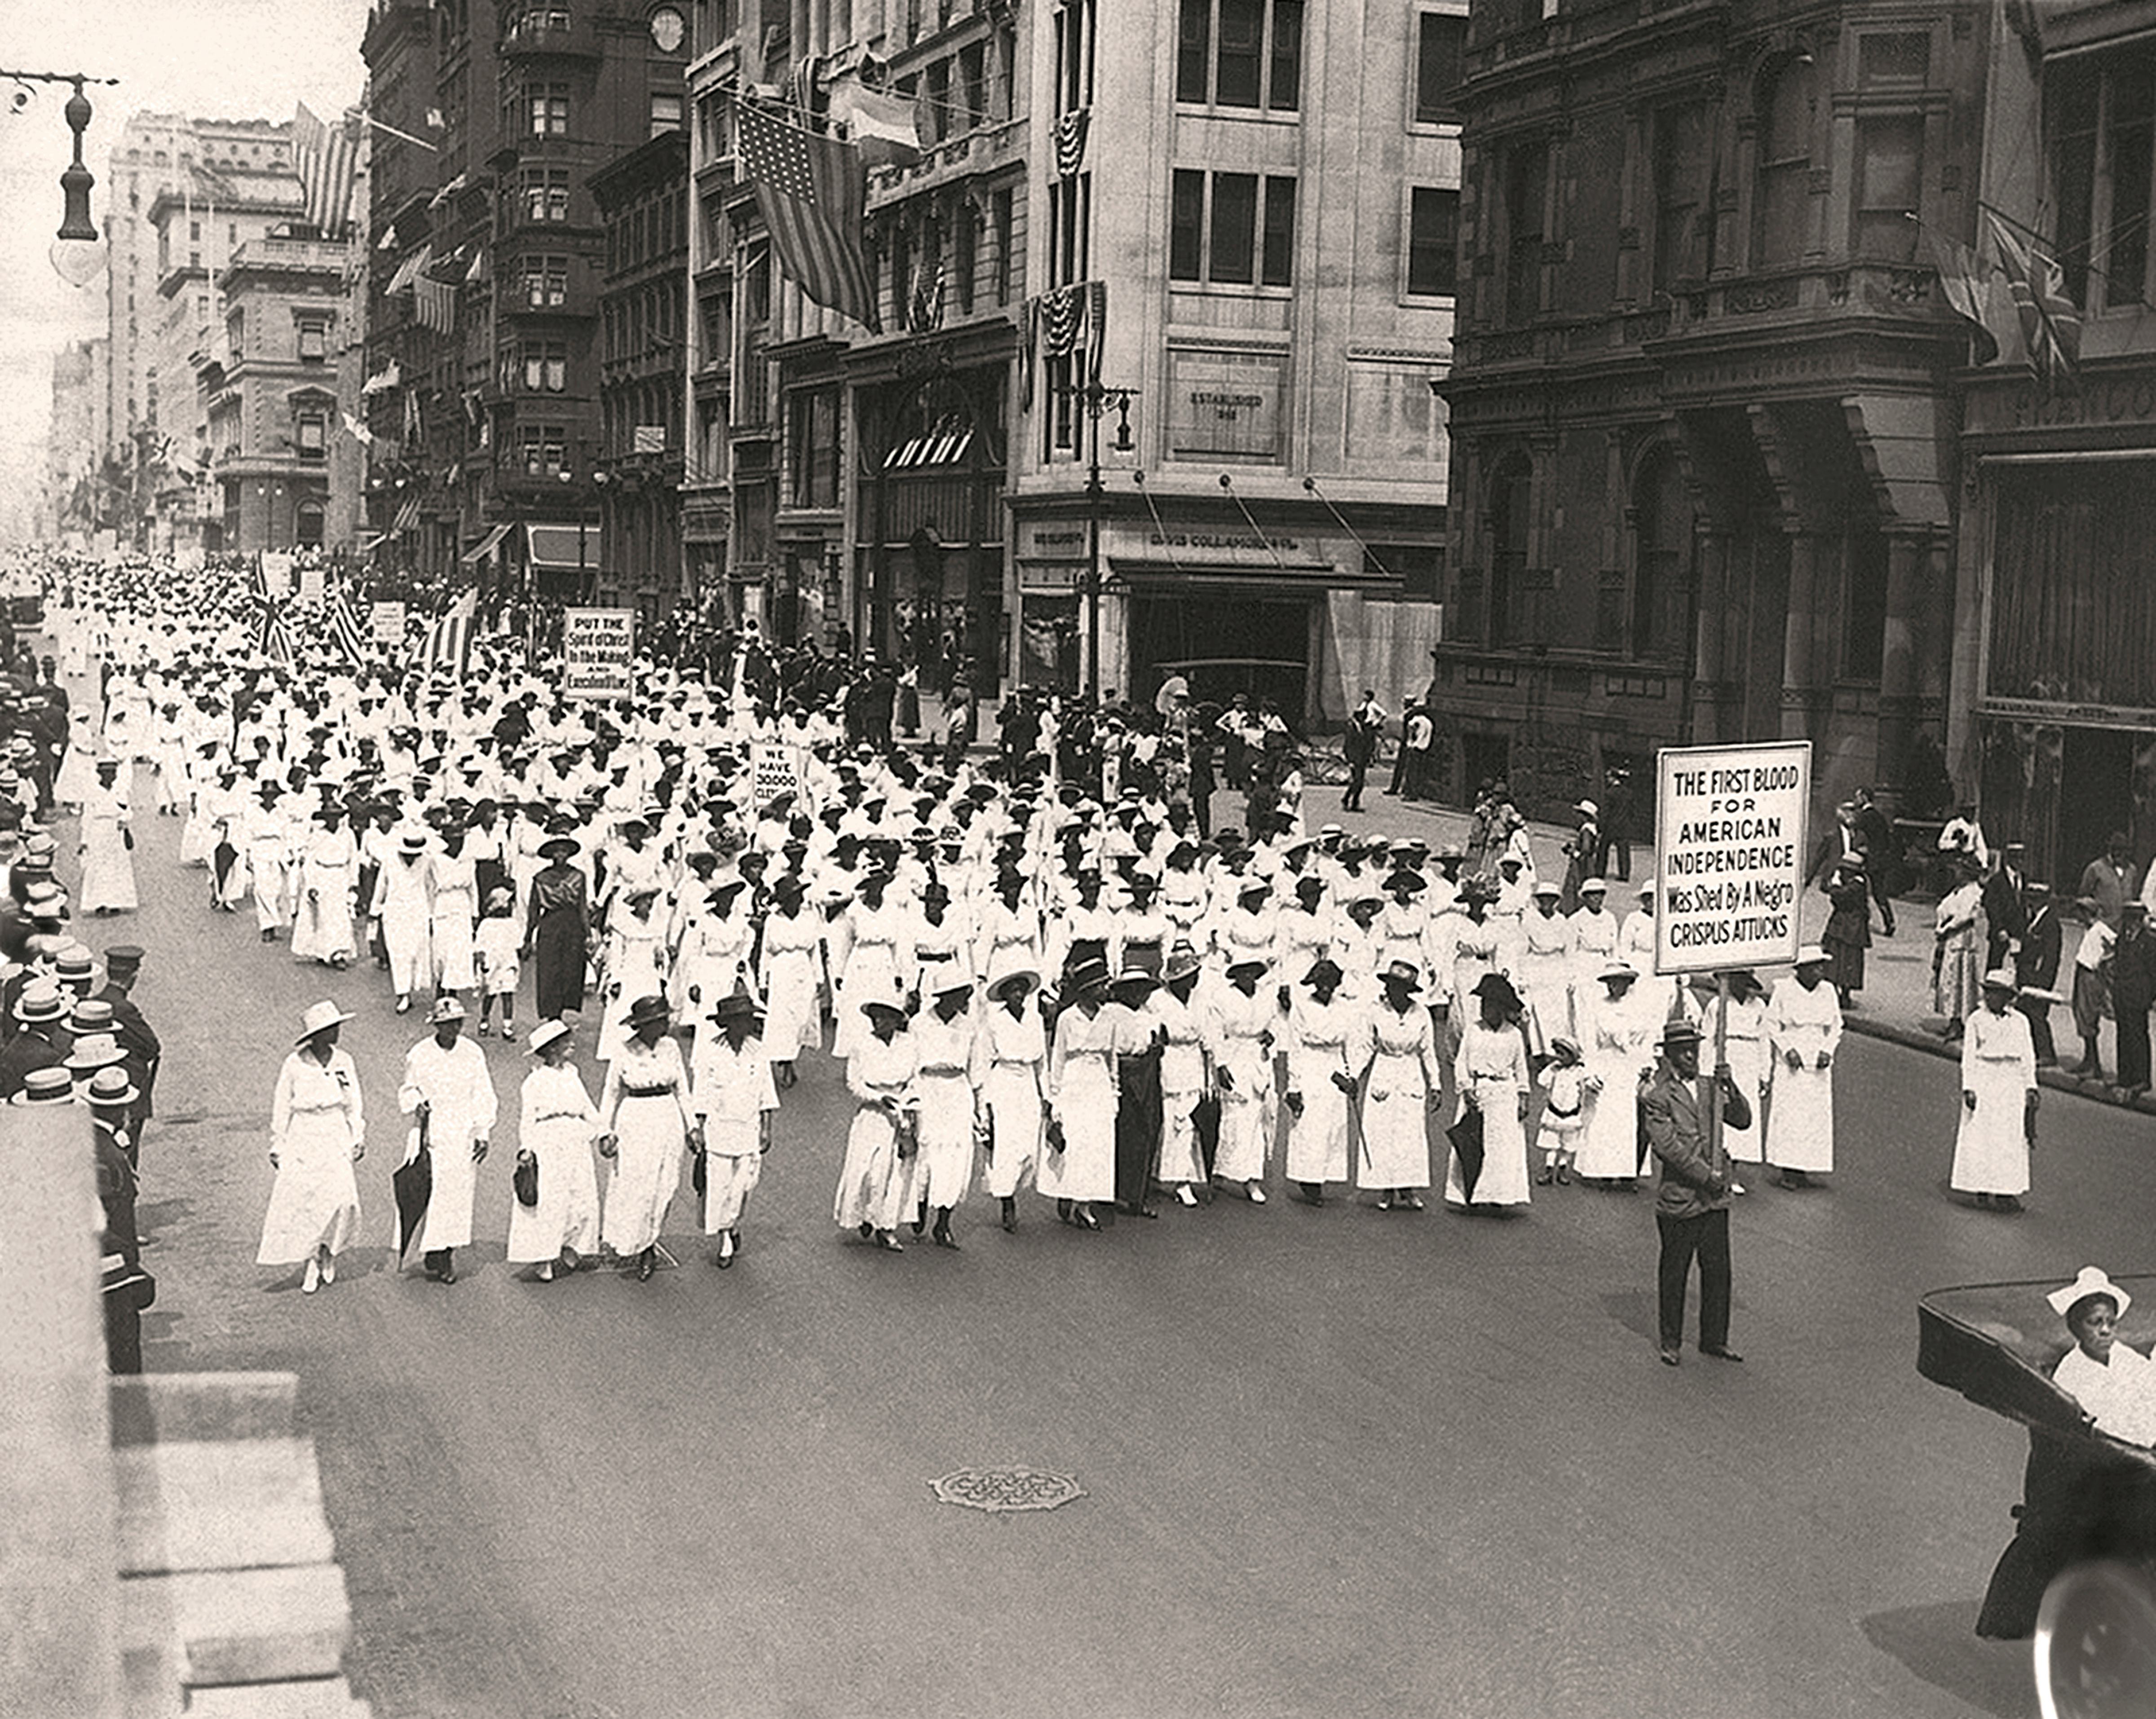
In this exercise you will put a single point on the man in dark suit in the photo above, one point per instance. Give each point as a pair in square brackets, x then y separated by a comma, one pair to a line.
[1366, 727]
[2036, 969]
[1691, 1197]
[2004, 916]
[1874, 840]
[40, 1040]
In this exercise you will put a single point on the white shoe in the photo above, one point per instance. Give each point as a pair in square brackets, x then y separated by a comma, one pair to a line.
[1184, 1196]
[313, 1280]
[329, 1270]
[404, 1005]
[1257, 1194]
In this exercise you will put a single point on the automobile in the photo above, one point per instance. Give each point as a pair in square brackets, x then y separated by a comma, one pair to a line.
[26, 610]
[2079, 1577]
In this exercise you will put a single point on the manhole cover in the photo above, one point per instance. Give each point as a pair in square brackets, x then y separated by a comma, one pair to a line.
[1009, 1488]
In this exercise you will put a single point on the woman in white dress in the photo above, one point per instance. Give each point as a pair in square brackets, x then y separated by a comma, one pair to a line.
[1327, 1047]
[1079, 1166]
[107, 848]
[1804, 1028]
[790, 971]
[877, 956]
[1999, 1099]
[1620, 1030]
[452, 912]
[556, 1129]
[643, 1126]
[329, 872]
[736, 1103]
[1747, 1048]
[633, 959]
[881, 1075]
[1403, 1081]
[1245, 1022]
[940, 1172]
[318, 1133]
[1491, 1071]
[1186, 1073]
[1010, 1061]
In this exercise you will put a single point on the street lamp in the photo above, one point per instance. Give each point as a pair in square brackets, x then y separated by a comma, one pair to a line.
[1098, 398]
[77, 254]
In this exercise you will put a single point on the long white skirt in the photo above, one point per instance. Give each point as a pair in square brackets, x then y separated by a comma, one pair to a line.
[1395, 1126]
[1181, 1159]
[729, 1179]
[870, 1181]
[1503, 1179]
[1317, 1139]
[1249, 1113]
[647, 1172]
[1800, 1130]
[1991, 1146]
[1011, 1098]
[1609, 1145]
[108, 868]
[792, 1017]
[315, 1201]
[941, 1173]
[567, 1214]
[1085, 1168]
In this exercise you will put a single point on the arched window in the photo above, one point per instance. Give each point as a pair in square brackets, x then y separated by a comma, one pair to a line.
[1662, 533]
[1782, 197]
[307, 529]
[1511, 492]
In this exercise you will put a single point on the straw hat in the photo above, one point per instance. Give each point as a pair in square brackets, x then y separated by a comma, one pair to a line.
[320, 1018]
[545, 1033]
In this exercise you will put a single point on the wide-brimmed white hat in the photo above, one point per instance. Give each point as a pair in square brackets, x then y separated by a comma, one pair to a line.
[545, 1033]
[1615, 969]
[318, 1017]
[448, 1006]
[1998, 979]
[1811, 955]
[2092, 1282]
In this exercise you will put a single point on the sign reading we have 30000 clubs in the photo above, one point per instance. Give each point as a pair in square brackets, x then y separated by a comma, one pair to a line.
[1730, 854]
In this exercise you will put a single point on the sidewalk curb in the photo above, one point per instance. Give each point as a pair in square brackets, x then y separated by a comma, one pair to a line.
[1925, 1040]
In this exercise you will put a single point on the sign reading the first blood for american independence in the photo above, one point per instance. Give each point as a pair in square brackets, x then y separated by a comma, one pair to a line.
[1730, 856]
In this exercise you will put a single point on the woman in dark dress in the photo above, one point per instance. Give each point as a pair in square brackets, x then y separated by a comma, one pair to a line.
[558, 920]
[1848, 932]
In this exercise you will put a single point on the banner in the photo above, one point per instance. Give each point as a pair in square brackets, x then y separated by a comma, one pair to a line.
[311, 581]
[775, 769]
[277, 572]
[598, 648]
[386, 624]
[1730, 856]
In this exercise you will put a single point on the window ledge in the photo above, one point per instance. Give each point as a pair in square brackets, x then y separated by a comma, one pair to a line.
[1255, 116]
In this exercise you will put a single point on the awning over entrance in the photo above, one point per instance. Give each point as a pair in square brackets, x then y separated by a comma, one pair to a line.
[560, 548]
[485, 547]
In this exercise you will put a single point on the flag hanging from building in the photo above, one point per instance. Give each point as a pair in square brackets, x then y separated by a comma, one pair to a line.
[882, 126]
[1966, 279]
[449, 639]
[414, 426]
[1071, 132]
[1061, 321]
[813, 192]
[2050, 321]
[360, 433]
[327, 160]
[410, 268]
[435, 303]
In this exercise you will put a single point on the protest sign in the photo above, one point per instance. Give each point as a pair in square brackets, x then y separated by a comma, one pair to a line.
[1730, 854]
[598, 648]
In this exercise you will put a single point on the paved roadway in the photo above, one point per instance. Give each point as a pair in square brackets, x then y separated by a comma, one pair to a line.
[1337, 1462]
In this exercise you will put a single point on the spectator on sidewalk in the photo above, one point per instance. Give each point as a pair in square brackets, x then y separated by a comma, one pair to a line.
[2036, 969]
[1955, 965]
[1848, 932]
[1962, 838]
[1366, 730]
[2132, 991]
[1583, 854]
[1617, 825]
[1874, 840]
[1417, 734]
[2004, 916]
[2109, 878]
[2091, 986]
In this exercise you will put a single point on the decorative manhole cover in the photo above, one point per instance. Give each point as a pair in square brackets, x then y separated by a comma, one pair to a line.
[1008, 1488]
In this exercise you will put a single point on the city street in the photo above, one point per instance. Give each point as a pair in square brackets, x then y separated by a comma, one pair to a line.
[1334, 1461]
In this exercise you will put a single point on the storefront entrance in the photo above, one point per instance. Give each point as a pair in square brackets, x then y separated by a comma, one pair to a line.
[1224, 645]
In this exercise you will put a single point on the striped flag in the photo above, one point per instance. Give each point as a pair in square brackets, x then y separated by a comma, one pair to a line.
[449, 639]
[435, 302]
[275, 639]
[813, 192]
[327, 160]
[2050, 321]
[345, 628]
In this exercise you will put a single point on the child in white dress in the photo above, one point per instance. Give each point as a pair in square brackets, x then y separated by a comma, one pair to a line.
[494, 945]
[1564, 1099]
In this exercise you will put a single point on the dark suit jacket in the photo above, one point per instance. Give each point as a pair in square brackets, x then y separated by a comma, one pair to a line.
[2037, 965]
[1691, 1171]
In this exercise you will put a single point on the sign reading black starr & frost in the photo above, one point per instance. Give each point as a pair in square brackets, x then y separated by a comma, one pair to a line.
[1729, 858]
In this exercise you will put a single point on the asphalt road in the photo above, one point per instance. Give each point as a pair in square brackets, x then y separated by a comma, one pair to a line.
[1335, 1461]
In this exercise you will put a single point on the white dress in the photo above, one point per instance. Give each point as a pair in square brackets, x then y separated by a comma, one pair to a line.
[1619, 1036]
[731, 1092]
[1010, 1054]
[645, 1106]
[556, 1124]
[1182, 1083]
[1491, 1072]
[1404, 1073]
[108, 864]
[870, 1182]
[1082, 1093]
[1243, 1028]
[1323, 1039]
[322, 929]
[316, 1121]
[791, 975]
[1746, 1049]
[1998, 1066]
[939, 1174]
[400, 903]
[459, 1092]
[1800, 1126]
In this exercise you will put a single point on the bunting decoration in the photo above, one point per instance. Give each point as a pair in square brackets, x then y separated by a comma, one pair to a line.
[1071, 133]
[813, 193]
[2050, 321]
[1057, 322]
[327, 160]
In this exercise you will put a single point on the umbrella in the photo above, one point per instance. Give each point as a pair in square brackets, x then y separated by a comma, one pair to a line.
[414, 1182]
[1467, 1137]
[1173, 691]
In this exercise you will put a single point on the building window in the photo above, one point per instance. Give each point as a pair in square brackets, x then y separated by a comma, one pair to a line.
[1433, 242]
[1680, 177]
[1440, 38]
[1890, 172]
[1216, 224]
[665, 113]
[1241, 54]
[973, 89]
[314, 341]
[545, 193]
[1074, 56]
[548, 107]
[541, 449]
[307, 526]
[1000, 214]
[2098, 113]
[1782, 198]
[545, 282]
[1661, 568]
[312, 428]
[546, 366]
[1069, 229]
[1511, 496]
[812, 448]
[1526, 179]
[1419, 567]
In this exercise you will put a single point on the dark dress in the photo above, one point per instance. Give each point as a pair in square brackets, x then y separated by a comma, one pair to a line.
[559, 917]
[1848, 933]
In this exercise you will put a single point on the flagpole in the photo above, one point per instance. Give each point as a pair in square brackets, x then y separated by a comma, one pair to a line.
[366, 118]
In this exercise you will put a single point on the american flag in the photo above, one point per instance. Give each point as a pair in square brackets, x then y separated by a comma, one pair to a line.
[345, 627]
[813, 191]
[436, 303]
[449, 639]
[327, 158]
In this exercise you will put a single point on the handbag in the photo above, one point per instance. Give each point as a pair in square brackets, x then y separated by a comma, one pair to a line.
[526, 1179]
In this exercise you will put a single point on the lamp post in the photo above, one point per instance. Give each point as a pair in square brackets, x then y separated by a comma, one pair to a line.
[1098, 398]
[77, 253]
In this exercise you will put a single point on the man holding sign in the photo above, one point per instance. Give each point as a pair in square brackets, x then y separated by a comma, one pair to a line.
[1691, 1197]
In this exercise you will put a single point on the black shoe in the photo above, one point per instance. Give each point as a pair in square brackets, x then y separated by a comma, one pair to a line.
[1063, 1211]
[944, 1238]
[1724, 1353]
[2008, 1202]
[1564, 1175]
[1544, 1176]
[1086, 1220]
[1983, 1200]
[888, 1243]
[646, 1264]
[867, 1230]
[1010, 1216]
